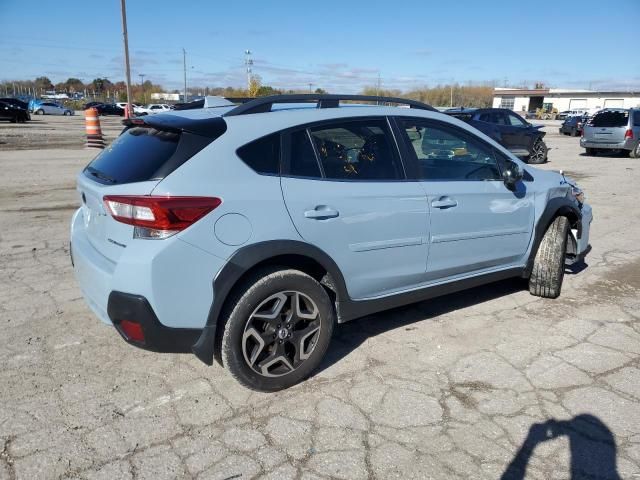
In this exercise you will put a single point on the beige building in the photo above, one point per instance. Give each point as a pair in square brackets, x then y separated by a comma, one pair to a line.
[528, 100]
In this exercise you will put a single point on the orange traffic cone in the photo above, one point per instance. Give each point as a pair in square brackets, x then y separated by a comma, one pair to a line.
[92, 126]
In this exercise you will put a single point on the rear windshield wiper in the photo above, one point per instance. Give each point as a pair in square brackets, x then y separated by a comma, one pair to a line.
[98, 174]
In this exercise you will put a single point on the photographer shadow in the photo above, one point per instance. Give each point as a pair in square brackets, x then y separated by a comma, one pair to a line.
[592, 446]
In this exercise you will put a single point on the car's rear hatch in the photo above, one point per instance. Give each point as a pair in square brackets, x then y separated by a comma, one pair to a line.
[145, 153]
[607, 127]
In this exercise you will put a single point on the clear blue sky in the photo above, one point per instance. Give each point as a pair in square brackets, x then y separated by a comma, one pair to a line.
[337, 45]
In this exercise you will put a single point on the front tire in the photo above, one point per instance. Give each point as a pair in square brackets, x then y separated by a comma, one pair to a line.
[538, 153]
[548, 266]
[278, 328]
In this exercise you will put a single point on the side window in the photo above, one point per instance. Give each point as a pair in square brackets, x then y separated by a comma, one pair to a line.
[303, 159]
[493, 117]
[500, 118]
[262, 155]
[444, 153]
[357, 150]
[515, 121]
[636, 118]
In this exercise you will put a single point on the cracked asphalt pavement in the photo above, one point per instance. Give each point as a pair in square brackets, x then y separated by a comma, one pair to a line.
[485, 384]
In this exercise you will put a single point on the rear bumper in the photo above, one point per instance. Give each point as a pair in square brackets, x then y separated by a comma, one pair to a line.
[157, 337]
[624, 145]
[164, 285]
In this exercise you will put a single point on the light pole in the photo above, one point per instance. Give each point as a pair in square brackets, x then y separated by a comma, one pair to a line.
[184, 66]
[248, 61]
[123, 9]
[310, 85]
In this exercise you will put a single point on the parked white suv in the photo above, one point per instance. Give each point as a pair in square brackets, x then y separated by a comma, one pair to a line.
[155, 108]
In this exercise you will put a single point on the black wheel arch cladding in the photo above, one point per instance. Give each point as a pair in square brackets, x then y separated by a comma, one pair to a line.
[244, 260]
[554, 208]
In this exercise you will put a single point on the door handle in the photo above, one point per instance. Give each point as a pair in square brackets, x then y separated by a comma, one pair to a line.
[444, 202]
[321, 212]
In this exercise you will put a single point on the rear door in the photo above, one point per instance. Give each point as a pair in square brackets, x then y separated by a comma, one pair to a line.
[345, 189]
[49, 108]
[608, 127]
[476, 223]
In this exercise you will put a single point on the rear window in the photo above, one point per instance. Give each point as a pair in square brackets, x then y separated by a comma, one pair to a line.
[465, 117]
[610, 119]
[139, 154]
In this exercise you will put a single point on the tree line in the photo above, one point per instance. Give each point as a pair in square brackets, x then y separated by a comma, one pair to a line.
[469, 95]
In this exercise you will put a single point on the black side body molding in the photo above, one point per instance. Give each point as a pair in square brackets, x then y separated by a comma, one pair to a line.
[352, 309]
[158, 337]
[555, 207]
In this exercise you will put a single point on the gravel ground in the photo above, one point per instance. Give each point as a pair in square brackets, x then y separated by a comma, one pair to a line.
[53, 131]
[479, 384]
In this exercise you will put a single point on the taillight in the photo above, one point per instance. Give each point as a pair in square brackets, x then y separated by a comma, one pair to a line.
[628, 135]
[158, 217]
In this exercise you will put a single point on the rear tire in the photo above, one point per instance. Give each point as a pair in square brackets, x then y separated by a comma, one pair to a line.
[548, 266]
[539, 153]
[635, 153]
[40, 112]
[279, 324]
[591, 151]
[574, 132]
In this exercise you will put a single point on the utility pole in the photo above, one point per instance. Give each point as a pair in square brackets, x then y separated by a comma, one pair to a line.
[310, 85]
[144, 97]
[123, 8]
[451, 93]
[248, 61]
[378, 88]
[184, 66]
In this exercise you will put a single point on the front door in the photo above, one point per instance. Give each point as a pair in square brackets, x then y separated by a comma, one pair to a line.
[345, 189]
[476, 223]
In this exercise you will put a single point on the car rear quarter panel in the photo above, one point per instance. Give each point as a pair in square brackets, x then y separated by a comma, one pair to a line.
[250, 201]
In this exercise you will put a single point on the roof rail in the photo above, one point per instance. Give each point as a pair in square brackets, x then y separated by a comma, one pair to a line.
[264, 104]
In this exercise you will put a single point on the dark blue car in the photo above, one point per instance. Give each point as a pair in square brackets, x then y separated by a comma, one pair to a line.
[509, 129]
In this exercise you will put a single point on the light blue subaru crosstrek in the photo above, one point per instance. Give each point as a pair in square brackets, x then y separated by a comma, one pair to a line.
[244, 233]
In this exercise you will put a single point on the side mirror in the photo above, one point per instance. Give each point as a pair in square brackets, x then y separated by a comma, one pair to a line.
[512, 174]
